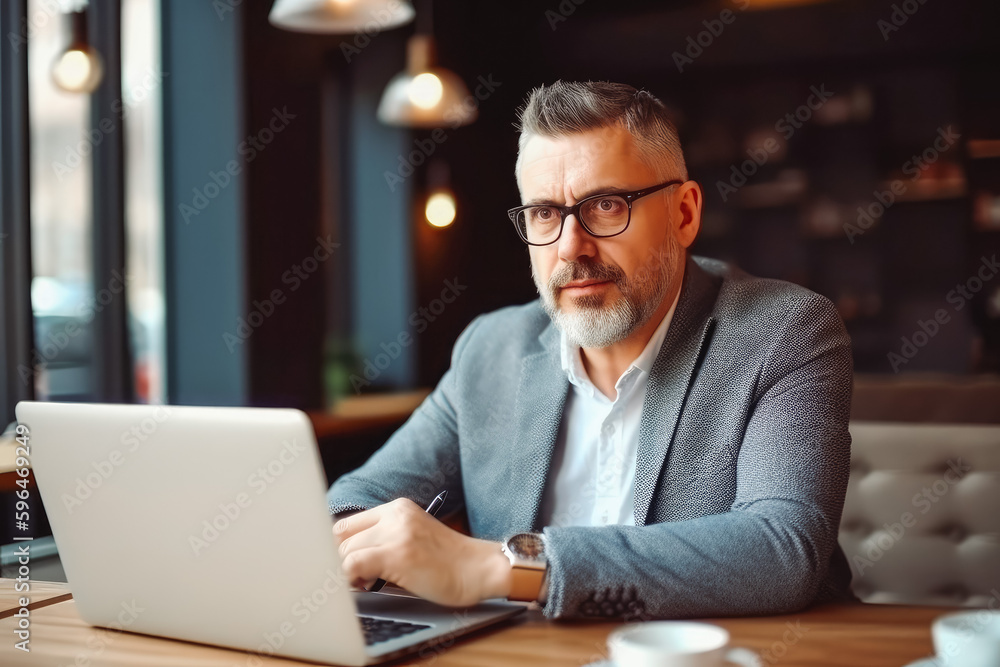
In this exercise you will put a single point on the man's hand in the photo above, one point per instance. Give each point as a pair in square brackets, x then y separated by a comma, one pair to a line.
[401, 543]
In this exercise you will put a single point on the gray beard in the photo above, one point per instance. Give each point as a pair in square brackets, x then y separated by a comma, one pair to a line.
[598, 320]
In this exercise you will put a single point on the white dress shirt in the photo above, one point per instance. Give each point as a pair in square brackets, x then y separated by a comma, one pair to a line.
[592, 477]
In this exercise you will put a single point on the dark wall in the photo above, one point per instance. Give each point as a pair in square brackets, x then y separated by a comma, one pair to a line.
[937, 69]
[324, 232]
[286, 281]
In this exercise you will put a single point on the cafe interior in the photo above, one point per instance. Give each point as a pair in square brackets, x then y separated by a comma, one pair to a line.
[283, 205]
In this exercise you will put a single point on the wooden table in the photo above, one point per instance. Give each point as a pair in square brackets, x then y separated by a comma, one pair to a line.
[41, 594]
[833, 635]
[8, 467]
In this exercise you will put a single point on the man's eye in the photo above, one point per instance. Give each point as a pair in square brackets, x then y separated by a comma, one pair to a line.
[543, 214]
[605, 208]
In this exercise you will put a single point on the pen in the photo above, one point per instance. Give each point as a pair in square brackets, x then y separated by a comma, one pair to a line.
[432, 509]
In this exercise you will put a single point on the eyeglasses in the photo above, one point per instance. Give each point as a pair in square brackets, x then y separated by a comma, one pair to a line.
[600, 215]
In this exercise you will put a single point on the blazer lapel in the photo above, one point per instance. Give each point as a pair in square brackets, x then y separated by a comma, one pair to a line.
[541, 397]
[669, 380]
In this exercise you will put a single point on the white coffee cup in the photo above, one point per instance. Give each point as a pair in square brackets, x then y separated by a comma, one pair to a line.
[675, 644]
[967, 638]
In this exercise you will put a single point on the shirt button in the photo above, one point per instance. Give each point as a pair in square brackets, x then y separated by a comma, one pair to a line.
[609, 429]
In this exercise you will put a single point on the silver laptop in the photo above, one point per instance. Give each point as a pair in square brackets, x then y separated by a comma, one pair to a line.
[211, 525]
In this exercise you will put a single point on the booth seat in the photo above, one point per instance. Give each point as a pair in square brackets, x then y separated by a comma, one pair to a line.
[921, 522]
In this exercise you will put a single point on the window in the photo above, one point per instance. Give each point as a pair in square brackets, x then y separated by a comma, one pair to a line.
[65, 129]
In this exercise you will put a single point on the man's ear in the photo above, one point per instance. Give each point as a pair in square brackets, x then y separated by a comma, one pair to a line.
[689, 199]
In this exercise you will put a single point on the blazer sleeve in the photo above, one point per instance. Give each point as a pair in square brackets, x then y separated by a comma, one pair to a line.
[770, 552]
[419, 460]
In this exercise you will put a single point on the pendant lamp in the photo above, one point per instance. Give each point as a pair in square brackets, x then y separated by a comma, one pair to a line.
[425, 95]
[79, 68]
[340, 16]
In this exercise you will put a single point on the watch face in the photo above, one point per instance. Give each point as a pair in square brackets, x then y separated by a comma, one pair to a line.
[527, 546]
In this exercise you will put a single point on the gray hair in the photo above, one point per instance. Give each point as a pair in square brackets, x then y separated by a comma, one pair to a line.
[568, 107]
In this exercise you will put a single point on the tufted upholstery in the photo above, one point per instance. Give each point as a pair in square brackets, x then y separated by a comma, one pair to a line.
[921, 523]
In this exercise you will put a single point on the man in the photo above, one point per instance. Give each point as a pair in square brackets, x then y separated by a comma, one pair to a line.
[670, 432]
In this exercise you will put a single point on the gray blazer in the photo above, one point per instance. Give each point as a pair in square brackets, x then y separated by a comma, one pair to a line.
[742, 462]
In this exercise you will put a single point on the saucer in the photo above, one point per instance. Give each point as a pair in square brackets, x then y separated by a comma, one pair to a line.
[601, 663]
[925, 662]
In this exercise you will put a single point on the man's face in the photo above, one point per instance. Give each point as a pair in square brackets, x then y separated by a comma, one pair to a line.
[600, 290]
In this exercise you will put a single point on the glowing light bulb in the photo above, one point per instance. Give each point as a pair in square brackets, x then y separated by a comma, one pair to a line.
[78, 71]
[426, 90]
[440, 210]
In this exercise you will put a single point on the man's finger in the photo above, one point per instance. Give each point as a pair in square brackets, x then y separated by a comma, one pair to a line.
[364, 564]
[356, 523]
[362, 539]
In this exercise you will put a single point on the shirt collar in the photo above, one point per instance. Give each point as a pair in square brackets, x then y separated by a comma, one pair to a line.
[572, 364]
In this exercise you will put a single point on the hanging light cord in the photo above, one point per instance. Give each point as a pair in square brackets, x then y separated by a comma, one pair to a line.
[425, 19]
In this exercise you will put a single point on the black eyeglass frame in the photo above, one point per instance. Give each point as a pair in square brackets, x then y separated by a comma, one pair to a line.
[565, 211]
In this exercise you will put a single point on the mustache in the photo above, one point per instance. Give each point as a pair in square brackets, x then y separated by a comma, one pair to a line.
[581, 271]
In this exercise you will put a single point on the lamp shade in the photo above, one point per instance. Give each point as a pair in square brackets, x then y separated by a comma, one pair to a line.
[424, 95]
[340, 16]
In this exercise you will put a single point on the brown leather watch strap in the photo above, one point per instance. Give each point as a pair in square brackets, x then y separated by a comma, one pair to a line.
[526, 583]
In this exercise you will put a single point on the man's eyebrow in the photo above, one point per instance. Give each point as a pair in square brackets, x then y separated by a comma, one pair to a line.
[610, 190]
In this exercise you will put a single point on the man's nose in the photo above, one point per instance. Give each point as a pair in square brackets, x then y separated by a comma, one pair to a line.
[575, 241]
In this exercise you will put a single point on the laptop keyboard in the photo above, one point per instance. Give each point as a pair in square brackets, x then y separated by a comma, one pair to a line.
[382, 629]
